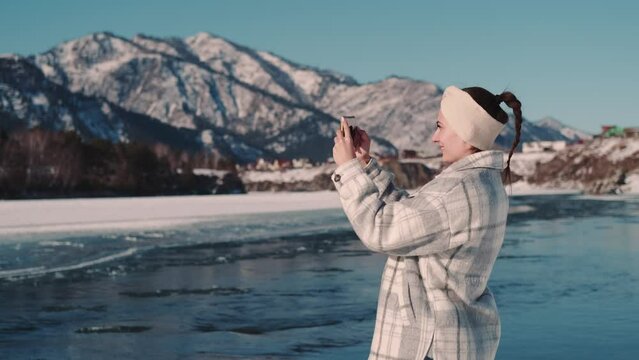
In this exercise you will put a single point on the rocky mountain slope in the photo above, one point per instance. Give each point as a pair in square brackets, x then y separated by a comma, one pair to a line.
[600, 166]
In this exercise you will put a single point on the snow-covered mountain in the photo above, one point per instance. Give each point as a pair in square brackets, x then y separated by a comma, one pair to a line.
[228, 97]
[28, 99]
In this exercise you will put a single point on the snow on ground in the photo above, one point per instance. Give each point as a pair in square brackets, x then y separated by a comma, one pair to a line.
[626, 149]
[22, 217]
[39, 99]
[524, 164]
[615, 148]
[632, 184]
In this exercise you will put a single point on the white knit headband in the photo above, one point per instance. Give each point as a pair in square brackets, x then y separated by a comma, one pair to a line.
[468, 119]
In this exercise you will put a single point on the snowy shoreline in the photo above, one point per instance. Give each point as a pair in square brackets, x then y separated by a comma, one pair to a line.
[30, 217]
[24, 217]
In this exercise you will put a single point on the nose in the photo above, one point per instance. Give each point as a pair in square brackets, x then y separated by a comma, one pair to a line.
[435, 137]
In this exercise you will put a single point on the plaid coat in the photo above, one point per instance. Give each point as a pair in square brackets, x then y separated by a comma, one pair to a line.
[442, 241]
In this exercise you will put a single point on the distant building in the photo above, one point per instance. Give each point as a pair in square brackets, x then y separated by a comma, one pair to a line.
[302, 163]
[543, 146]
[611, 131]
[280, 164]
[617, 131]
[262, 164]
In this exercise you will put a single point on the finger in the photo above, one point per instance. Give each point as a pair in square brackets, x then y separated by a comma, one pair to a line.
[345, 123]
[339, 135]
[347, 130]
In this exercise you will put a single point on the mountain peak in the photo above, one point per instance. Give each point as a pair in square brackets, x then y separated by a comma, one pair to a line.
[399, 77]
[95, 46]
[206, 37]
[99, 37]
[569, 132]
[549, 121]
[205, 34]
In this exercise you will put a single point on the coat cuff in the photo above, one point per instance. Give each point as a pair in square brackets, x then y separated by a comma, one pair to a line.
[346, 170]
[371, 165]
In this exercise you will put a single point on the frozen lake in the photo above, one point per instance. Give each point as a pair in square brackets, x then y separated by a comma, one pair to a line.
[297, 284]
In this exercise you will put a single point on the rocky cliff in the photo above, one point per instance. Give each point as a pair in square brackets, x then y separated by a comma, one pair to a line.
[600, 166]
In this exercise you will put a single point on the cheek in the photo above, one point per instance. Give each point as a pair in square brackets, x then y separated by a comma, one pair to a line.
[444, 137]
[451, 142]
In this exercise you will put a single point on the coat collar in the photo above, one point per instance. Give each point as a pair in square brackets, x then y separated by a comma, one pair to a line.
[492, 159]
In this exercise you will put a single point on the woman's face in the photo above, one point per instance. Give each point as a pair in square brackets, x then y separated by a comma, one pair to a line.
[452, 146]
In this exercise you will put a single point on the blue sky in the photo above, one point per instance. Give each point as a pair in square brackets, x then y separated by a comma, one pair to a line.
[575, 61]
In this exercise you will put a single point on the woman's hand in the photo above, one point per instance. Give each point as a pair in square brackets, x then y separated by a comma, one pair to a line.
[343, 150]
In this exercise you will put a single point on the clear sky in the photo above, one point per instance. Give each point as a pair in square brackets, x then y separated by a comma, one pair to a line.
[576, 61]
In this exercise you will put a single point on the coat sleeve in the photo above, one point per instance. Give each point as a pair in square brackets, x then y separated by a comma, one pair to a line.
[383, 180]
[411, 226]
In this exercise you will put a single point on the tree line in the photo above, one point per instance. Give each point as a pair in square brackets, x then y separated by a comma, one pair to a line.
[39, 163]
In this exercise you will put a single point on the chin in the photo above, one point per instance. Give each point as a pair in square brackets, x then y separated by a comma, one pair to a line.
[445, 159]
[449, 158]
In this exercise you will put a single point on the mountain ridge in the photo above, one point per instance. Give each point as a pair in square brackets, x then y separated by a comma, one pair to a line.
[254, 99]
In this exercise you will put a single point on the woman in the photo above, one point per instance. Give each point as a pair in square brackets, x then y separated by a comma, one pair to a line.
[441, 240]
